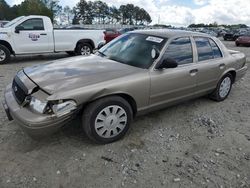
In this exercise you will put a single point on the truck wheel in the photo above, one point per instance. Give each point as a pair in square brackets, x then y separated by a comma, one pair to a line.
[4, 55]
[223, 88]
[84, 49]
[107, 120]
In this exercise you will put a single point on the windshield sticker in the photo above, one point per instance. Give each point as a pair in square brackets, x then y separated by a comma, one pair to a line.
[34, 37]
[154, 39]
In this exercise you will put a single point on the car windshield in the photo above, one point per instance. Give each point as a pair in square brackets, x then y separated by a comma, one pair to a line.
[133, 49]
[12, 22]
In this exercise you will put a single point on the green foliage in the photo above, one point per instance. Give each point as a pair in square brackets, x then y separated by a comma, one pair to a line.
[6, 12]
[237, 26]
[27, 7]
[99, 12]
[54, 7]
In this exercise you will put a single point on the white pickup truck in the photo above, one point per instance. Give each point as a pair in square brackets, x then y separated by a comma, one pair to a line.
[35, 34]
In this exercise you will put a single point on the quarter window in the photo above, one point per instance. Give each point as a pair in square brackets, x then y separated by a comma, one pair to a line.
[32, 24]
[207, 49]
[180, 50]
[215, 48]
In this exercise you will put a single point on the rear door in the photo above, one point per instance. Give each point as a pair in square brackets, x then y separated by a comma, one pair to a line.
[210, 64]
[32, 38]
[173, 84]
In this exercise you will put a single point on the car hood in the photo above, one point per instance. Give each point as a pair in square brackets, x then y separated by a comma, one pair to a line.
[76, 72]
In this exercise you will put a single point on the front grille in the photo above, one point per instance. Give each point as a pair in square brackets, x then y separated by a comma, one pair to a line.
[19, 90]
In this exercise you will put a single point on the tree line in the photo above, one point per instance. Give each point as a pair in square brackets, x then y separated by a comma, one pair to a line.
[99, 12]
[86, 12]
[215, 24]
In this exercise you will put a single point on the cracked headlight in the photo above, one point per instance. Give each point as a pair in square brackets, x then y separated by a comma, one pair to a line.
[64, 108]
[38, 105]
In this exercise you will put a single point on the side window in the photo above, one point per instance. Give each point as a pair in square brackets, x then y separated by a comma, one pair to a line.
[32, 24]
[180, 50]
[204, 49]
[215, 48]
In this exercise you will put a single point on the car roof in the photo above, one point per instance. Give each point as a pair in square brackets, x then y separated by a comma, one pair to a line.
[169, 33]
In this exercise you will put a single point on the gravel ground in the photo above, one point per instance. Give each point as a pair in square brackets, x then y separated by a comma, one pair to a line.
[199, 143]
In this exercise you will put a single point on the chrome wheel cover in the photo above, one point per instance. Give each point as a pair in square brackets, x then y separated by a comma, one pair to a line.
[2, 55]
[225, 87]
[85, 50]
[111, 121]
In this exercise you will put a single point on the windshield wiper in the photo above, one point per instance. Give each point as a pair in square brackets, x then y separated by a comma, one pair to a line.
[103, 55]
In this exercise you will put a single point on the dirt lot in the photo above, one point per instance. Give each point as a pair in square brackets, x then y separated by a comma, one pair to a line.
[200, 143]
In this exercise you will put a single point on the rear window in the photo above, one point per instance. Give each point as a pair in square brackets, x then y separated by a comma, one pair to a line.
[207, 49]
[204, 49]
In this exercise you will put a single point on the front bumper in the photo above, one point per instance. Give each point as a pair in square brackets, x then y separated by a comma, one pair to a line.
[36, 125]
[241, 73]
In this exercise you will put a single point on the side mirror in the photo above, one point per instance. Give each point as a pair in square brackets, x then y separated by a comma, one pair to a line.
[155, 53]
[167, 64]
[100, 45]
[18, 29]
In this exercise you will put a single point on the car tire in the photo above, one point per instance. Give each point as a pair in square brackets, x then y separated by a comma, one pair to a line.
[71, 53]
[4, 55]
[84, 49]
[237, 44]
[107, 120]
[223, 88]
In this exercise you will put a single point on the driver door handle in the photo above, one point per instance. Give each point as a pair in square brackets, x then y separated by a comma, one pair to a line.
[43, 34]
[193, 72]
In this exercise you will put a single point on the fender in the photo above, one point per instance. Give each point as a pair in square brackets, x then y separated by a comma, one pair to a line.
[7, 45]
[227, 71]
[89, 41]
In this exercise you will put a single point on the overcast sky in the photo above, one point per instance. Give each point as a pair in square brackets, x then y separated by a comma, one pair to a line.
[185, 12]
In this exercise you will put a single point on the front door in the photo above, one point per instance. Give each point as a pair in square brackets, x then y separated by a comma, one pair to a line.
[173, 84]
[32, 37]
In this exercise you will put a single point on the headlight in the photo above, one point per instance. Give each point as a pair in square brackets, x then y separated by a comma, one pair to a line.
[38, 105]
[64, 108]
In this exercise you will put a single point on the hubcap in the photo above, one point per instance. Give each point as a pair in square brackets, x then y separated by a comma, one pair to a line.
[111, 121]
[225, 87]
[85, 50]
[2, 55]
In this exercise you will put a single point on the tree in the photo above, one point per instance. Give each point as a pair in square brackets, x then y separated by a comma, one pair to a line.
[99, 12]
[84, 11]
[29, 7]
[67, 12]
[6, 12]
[54, 7]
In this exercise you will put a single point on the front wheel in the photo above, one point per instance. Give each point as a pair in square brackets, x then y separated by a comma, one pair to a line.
[223, 88]
[84, 49]
[107, 120]
[4, 55]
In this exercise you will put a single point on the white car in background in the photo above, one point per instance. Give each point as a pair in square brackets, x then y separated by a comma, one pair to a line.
[35, 34]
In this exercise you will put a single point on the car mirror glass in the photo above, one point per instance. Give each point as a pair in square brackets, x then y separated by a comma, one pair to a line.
[155, 53]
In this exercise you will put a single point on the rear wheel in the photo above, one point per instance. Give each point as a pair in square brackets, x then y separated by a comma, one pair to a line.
[4, 55]
[107, 120]
[84, 49]
[223, 88]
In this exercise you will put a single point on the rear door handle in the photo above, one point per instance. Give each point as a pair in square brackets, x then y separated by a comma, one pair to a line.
[43, 34]
[222, 66]
[193, 72]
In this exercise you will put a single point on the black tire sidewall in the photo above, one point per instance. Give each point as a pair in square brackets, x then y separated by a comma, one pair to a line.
[218, 97]
[80, 46]
[7, 53]
[90, 128]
